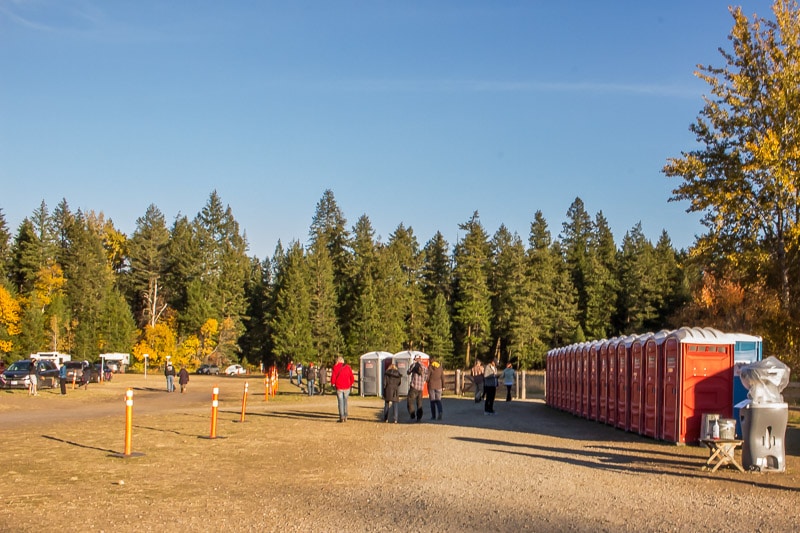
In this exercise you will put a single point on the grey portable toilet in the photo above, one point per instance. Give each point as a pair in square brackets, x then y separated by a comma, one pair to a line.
[385, 359]
[403, 360]
[370, 374]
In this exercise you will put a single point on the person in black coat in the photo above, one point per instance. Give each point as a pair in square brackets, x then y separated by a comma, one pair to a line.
[391, 385]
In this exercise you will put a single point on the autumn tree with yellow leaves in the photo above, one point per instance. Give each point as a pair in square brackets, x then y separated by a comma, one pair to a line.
[745, 176]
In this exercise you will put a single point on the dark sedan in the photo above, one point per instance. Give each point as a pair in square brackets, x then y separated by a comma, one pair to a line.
[17, 376]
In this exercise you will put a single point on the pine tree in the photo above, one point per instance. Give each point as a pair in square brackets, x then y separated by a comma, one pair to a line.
[147, 254]
[473, 308]
[291, 323]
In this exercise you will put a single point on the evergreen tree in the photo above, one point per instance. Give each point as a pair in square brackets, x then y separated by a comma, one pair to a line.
[601, 281]
[327, 339]
[439, 333]
[147, 255]
[506, 282]
[473, 308]
[403, 250]
[5, 249]
[291, 324]
[576, 236]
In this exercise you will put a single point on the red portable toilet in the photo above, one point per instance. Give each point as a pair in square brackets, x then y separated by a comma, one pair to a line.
[637, 385]
[697, 379]
[653, 384]
[548, 377]
[623, 381]
[571, 376]
[594, 379]
[611, 391]
[585, 379]
[602, 403]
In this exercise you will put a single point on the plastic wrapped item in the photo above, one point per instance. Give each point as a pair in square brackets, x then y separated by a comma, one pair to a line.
[765, 380]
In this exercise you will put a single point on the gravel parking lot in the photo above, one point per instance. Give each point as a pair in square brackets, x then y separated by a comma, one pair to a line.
[291, 467]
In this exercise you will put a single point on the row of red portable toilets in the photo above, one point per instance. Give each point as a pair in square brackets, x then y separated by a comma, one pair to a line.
[658, 384]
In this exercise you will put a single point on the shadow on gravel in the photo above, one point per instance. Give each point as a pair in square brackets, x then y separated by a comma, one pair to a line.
[77, 444]
[618, 462]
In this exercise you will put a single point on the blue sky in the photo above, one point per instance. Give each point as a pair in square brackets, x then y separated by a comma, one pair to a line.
[412, 112]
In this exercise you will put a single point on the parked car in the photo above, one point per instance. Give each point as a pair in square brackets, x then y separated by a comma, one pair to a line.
[74, 371]
[107, 374]
[208, 369]
[235, 370]
[17, 375]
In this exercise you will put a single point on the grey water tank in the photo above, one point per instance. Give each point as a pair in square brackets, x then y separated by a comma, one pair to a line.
[763, 435]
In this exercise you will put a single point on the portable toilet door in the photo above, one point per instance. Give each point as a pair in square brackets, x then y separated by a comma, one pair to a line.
[572, 407]
[636, 407]
[653, 368]
[704, 359]
[602, 404]
[403, 362]
[623, 382]
[594, 375]
[370, 374]
[611, 407]
[585, 380]
[385, 360]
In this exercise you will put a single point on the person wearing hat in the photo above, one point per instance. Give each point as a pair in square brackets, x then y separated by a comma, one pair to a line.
[435, 388]
[418, 374]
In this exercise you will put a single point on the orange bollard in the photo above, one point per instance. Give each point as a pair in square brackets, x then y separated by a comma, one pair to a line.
[214, 406]
[74, 375]
[266, 387]
[244, 402]
[128, 421]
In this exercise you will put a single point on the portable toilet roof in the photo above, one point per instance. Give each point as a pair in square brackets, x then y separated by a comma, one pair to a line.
[412, 354]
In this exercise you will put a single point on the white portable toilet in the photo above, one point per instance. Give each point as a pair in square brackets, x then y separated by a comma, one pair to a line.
[403, 360]
[370, 376]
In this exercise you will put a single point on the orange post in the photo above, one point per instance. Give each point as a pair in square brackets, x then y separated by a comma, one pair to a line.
[214, 406]
[266, 387]
[128, 421]
[74, 375]
[244, 402]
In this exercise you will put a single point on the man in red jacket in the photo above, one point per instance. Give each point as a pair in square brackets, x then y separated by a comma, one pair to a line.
[342, 380]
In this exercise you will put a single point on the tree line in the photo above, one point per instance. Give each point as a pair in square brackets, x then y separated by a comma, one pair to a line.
[72, 282]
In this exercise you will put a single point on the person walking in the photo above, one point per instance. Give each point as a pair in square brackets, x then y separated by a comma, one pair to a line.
[169, 372]
[392, 379]
[322, 378]
[342, 380]
[489, 386]
[418, 374]
[62, 378]
[33, 377]
[86, 374]
[509, 377]
[298, 370]
[477, 379]
[311, 378]
[183, 378]
[435, 388]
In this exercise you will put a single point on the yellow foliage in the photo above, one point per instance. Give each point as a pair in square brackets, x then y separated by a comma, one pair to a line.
[158, 342]
[49, 282]
[10, 312]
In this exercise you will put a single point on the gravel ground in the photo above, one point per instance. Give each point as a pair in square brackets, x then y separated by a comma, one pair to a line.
[292, 467]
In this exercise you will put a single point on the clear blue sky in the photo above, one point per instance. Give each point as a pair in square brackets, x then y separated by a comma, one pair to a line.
[413, 112]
